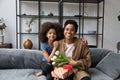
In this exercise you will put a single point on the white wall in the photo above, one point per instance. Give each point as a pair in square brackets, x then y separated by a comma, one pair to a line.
[8, 12]
[111, 24]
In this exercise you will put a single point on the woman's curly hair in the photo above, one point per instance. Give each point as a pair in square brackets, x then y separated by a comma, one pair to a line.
[45, 27]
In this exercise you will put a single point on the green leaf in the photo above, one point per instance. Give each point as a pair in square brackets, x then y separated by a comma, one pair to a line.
[62, 63]
[80, 68]
[32, 20]
[58, 60]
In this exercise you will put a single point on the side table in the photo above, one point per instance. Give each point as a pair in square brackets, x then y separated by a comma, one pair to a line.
[6, 45]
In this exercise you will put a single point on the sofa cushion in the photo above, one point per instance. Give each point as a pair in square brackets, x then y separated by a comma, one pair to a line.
[98, 75]
[98, 54]
[10, 61]
[20, 58]
[110, 65]
[20, 74]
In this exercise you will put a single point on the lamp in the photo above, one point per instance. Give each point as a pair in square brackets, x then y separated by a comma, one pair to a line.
[2, 26]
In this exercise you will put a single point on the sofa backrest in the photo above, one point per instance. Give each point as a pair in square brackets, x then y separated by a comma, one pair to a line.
[20, 58]
[97, 54]
[25, 58]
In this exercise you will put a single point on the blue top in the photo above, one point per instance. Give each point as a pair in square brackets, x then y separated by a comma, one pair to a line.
[45, 46]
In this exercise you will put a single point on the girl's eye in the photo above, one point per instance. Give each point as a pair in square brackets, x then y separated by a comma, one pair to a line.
[52, 33]
[73, 30]
[67, 29]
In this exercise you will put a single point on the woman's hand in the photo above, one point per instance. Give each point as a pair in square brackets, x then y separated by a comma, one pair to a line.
[72, 62]
[84, 40]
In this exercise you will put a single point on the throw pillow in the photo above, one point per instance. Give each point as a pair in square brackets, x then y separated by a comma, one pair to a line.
[110, 65]
[98, 54]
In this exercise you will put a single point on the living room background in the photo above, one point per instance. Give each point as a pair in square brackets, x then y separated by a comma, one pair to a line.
[111, 23]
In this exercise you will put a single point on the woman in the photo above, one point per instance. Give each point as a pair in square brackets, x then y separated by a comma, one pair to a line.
[77, 50]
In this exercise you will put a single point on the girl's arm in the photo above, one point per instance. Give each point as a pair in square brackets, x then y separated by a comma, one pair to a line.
[45, 53]
[55, 45]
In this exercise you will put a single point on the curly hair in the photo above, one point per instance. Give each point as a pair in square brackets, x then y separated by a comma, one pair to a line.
[45, 27]
[59, 30]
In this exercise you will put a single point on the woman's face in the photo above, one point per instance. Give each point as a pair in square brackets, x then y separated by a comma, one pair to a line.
[51, 35]
[69, 31]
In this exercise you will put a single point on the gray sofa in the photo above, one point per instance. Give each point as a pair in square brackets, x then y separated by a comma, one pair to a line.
[21, 64]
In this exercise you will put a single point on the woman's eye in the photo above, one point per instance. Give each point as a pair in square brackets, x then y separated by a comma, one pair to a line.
[73, 29]
[67, 29]
[70, 29]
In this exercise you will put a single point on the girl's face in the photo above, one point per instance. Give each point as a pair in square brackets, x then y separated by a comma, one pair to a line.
[51, 35]
[69, 31]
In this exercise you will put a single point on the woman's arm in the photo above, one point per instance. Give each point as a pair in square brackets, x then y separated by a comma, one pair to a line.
[85, 62]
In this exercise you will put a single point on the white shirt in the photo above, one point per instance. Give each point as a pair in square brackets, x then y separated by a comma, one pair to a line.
[69, 50]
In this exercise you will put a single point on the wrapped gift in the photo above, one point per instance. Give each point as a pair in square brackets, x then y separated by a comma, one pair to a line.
[62, 72]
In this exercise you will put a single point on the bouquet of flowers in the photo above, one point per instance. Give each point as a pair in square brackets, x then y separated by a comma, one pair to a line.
[59, 59]
[62, 66]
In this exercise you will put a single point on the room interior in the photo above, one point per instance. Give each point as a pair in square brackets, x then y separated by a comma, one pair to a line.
[20, 21]
[111, 23]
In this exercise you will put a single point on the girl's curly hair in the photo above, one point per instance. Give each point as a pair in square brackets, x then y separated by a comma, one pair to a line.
[45, 27]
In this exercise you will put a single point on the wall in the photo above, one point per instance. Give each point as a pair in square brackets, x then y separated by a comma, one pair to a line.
[8, 12]
[111, 24]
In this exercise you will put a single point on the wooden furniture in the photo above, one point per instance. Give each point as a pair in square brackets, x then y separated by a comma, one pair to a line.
[6, 45]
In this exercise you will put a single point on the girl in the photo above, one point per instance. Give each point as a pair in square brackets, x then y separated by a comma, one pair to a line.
[49, 33]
